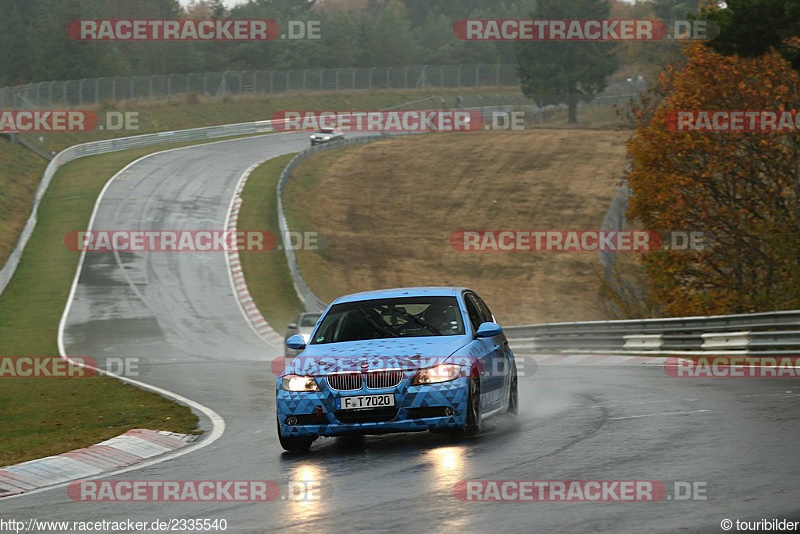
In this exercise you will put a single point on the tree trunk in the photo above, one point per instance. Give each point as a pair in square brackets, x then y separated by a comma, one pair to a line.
[572, 102]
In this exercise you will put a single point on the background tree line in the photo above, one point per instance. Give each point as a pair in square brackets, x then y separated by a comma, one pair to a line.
[355, 33]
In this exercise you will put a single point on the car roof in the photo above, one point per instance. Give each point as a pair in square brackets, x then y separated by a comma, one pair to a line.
[432, 291]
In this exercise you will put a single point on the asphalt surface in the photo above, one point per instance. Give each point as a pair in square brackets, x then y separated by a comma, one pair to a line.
[177, 310]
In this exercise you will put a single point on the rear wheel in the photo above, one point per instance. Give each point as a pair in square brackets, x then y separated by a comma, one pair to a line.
[294, 443]
[473, 426]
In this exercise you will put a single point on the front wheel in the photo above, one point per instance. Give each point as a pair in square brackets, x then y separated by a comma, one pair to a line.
[473, 426]
[294, 443]
[513, 396]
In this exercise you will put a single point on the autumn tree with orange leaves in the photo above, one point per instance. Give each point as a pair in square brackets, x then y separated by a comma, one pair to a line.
[740, 189]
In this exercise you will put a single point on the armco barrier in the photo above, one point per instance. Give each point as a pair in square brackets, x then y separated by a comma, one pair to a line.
[758, 334]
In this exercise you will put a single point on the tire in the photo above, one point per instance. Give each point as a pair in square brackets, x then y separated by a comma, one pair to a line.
[473, 426]
[296, 443]
[513, 396]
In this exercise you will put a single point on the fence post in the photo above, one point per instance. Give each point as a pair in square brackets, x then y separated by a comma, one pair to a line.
[288, 80]
[80, 92]
[151, 87]
[497, 75]
[354, 78]
[305, 76]
[337, 78]
[388, 76]
[133, 87]
[405, 78]
[169, 85]
[255, 82]
[50, 98]
[320, 78]
[370, 77]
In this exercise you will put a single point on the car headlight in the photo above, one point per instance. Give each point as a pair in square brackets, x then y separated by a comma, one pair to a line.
[299, 383]
[438, 373]
[327, 137]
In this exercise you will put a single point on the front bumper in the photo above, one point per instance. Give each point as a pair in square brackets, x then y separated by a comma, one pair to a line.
[412, 403]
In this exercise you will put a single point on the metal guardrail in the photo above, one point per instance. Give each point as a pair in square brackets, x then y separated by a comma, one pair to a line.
[759, 334]
[114, 145]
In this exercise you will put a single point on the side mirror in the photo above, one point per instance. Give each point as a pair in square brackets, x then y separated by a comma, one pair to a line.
[292, 326]
[488, 330]
[296, 342]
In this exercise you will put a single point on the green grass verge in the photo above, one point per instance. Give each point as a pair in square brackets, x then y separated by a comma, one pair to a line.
[267, 274]
[44, 416]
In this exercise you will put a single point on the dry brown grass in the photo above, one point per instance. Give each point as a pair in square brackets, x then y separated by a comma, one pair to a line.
[386, 212]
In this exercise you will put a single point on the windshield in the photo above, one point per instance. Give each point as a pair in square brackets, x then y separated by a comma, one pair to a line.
[309, 319]
[385, 318]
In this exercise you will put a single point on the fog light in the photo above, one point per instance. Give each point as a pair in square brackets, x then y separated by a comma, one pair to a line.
[449, 412]
[291, 420]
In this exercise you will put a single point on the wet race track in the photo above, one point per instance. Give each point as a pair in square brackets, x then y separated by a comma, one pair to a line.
[178, 312]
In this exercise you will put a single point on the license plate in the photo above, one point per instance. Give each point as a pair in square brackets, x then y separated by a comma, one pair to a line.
[362, 402]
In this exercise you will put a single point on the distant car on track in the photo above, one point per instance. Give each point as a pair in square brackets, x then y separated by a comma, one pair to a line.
[397, 360]
[326, 135]
[302, 325]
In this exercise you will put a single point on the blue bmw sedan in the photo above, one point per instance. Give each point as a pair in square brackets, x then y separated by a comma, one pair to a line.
[397, 360]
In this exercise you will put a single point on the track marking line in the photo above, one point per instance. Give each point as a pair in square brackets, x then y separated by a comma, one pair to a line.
[656, 414]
